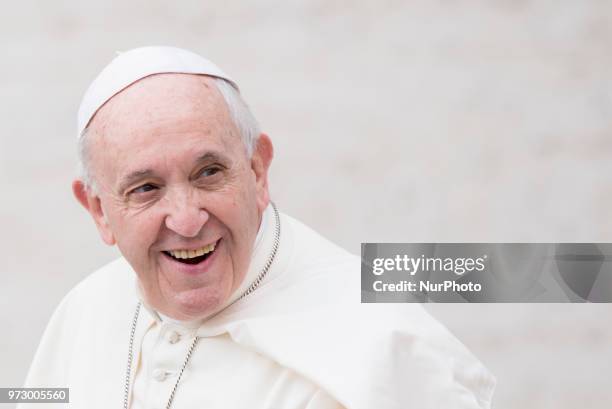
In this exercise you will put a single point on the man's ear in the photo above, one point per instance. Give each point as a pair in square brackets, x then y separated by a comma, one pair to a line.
[92, 204]
[260, 163]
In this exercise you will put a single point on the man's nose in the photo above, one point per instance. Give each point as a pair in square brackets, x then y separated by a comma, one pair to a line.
[185, 216]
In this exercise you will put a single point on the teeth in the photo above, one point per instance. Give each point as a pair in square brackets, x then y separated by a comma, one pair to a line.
[184, 254]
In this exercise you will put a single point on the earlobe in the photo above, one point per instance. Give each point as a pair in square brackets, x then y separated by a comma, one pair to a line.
[92, 204]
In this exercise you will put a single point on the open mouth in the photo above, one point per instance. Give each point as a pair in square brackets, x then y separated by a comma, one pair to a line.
[192, 256]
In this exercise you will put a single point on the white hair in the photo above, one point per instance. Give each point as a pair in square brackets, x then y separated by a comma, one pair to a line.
[239, 111]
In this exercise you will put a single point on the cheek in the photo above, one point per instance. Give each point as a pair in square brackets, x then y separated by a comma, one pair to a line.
[245, 214]
[135, 234]
[251, 196]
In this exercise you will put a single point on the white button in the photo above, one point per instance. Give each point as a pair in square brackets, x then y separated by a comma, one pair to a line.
[159, 375]
[173, 337]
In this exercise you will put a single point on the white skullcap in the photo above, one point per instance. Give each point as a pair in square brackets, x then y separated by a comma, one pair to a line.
[133, 65]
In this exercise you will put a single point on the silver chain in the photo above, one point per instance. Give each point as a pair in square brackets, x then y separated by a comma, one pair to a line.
[129, 360]
[252, 287]
[178, 379]
[266, 267]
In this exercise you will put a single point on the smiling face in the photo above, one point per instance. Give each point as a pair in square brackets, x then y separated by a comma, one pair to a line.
[176, 191]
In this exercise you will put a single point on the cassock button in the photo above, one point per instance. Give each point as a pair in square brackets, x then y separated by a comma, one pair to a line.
[173, 337]
[159, 375]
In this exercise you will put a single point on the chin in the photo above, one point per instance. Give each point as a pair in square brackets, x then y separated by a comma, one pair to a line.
[196, 304]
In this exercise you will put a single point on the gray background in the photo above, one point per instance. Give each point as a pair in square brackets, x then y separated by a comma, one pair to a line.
[424, 121]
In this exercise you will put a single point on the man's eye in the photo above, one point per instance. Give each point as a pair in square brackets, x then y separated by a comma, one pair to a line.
[210, 171]
[144, 188]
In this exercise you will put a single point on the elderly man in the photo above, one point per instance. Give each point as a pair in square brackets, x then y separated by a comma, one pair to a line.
[219, 300]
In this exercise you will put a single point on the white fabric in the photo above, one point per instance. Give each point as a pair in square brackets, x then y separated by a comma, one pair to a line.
[301, 340]
[262, 382]
[133, 65]
[221, 374]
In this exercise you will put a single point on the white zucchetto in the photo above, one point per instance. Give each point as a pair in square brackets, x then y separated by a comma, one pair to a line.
[138, 63]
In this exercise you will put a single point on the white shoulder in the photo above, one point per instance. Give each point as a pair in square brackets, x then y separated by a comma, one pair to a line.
[312, 245]
[116, 275]
[110, 287]
[85, 314]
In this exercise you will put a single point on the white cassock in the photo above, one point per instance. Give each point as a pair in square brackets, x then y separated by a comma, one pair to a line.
[301, 340]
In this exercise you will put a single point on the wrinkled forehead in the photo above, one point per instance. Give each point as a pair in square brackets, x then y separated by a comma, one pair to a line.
[165, 121]
[171, 100]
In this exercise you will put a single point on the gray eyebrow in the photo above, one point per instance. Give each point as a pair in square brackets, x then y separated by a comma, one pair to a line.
[211, 157]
